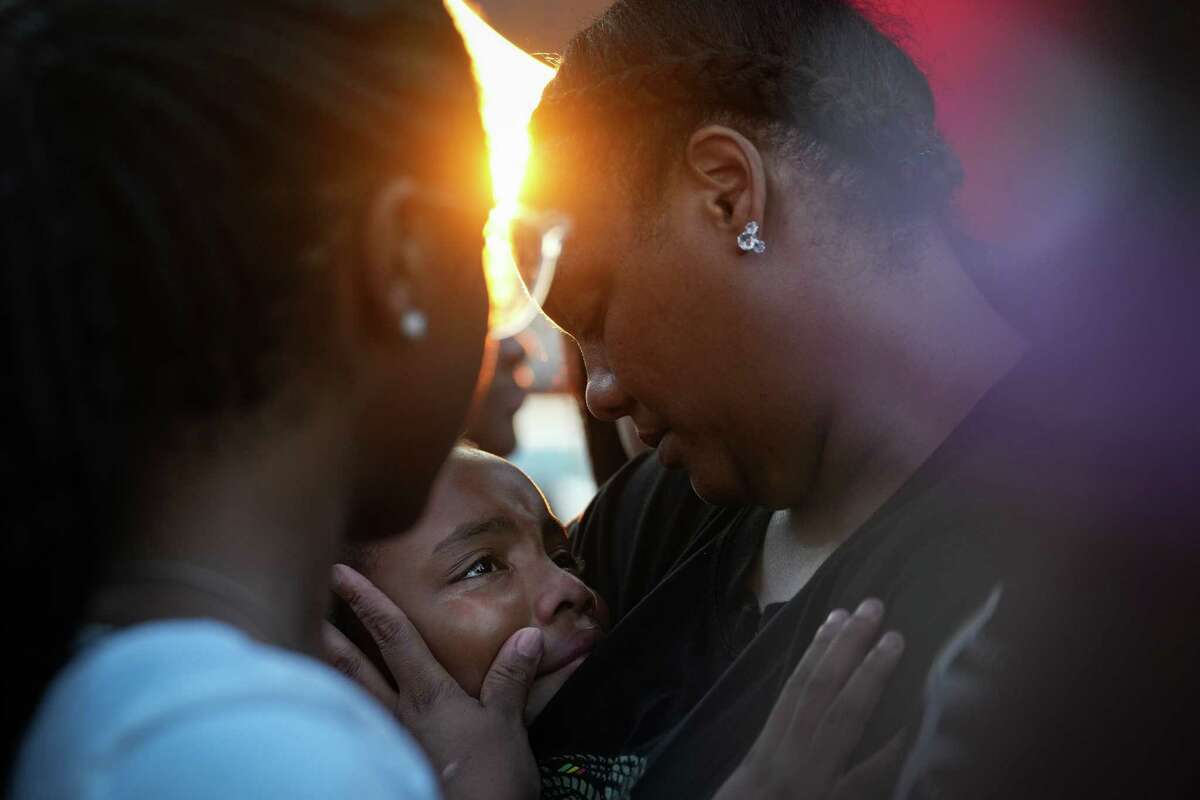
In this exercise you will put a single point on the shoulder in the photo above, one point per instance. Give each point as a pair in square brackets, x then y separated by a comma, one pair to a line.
[265, 748]
[195, 709]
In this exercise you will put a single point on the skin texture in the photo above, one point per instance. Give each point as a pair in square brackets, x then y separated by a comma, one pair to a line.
[813, 379]
[491, 424]
[467, 596]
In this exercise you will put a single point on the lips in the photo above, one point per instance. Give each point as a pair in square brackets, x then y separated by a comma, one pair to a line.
[561, 652]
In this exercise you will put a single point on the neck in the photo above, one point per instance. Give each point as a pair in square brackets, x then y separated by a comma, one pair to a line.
[244, 534]
[937, 348]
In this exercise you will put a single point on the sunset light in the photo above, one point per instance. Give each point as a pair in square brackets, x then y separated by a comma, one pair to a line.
[510, 83]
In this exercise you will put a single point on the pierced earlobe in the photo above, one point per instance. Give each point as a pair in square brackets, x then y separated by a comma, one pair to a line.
[414, 325]
[748, 241]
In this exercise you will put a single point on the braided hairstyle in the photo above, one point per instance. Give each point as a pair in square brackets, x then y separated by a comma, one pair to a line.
[167, 172]
[810, 79]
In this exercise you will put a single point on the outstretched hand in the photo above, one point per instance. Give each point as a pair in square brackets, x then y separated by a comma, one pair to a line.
[820, 716]
[478, 746]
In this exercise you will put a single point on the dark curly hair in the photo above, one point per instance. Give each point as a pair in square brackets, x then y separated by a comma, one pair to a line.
[169, 172]
[814, 79]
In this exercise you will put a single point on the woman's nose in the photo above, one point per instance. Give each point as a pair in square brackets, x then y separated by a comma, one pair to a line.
[562, 592]
[605, 398]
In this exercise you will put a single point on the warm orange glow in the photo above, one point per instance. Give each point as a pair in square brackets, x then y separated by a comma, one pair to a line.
[510, 84]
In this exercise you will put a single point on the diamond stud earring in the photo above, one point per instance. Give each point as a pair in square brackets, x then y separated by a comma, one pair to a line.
[414, 325]
[748, 240]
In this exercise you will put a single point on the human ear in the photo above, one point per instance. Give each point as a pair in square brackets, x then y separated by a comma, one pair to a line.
[727, 169]
[392, 263]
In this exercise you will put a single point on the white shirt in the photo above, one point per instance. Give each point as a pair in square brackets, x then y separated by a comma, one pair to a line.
[196, 709]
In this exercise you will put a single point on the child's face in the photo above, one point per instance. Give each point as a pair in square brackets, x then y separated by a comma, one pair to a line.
[487, 559]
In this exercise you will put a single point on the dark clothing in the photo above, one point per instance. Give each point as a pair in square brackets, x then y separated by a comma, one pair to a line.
[682, 686]
[1080, 680]
[1036, 492]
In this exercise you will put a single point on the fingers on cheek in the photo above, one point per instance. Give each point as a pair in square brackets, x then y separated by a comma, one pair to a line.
[465, 660]
[387, 630]
[384, 627]
[344, 582]
[466, 644]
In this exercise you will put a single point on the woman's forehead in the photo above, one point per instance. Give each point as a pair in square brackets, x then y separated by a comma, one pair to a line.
[559, 178]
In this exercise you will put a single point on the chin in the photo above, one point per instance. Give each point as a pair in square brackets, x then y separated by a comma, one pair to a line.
[719, 495]
[716, 489]
[713, 479]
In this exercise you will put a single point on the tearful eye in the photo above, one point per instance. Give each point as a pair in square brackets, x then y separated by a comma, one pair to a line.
[480, 567]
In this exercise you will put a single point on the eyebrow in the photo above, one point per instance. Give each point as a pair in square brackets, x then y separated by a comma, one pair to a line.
[474, 528]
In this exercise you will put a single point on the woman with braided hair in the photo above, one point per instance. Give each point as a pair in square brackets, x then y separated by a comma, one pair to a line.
[243, 317]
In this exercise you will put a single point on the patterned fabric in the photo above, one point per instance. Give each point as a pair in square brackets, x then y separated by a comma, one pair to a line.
[583, 777]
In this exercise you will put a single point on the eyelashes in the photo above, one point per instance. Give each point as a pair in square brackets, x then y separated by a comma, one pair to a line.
[484, 565]
[487, 565]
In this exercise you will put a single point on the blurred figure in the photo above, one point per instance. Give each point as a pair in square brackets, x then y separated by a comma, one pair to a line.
[241, 294]
[491, 424]
[1079, 677]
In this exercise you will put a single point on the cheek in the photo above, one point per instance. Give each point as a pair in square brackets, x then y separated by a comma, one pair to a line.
[668, 343]
[465, 633]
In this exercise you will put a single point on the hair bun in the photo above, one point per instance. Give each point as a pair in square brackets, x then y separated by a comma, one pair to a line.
[930, 175]
[887, 130]
[820, 76]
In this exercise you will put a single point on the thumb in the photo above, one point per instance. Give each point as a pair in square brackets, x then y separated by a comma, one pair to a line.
[506, 686]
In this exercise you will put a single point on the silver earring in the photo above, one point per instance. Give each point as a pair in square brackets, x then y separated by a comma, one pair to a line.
[414, 324]
[748, 240]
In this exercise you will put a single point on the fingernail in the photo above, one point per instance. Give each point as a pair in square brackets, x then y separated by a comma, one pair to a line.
[836, 616]
[891, 643]
[529, 643]
[869, 609]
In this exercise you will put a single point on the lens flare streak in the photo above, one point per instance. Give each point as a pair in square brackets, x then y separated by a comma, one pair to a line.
[510, 85]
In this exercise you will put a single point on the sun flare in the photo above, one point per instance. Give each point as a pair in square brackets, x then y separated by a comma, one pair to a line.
[510, 85]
